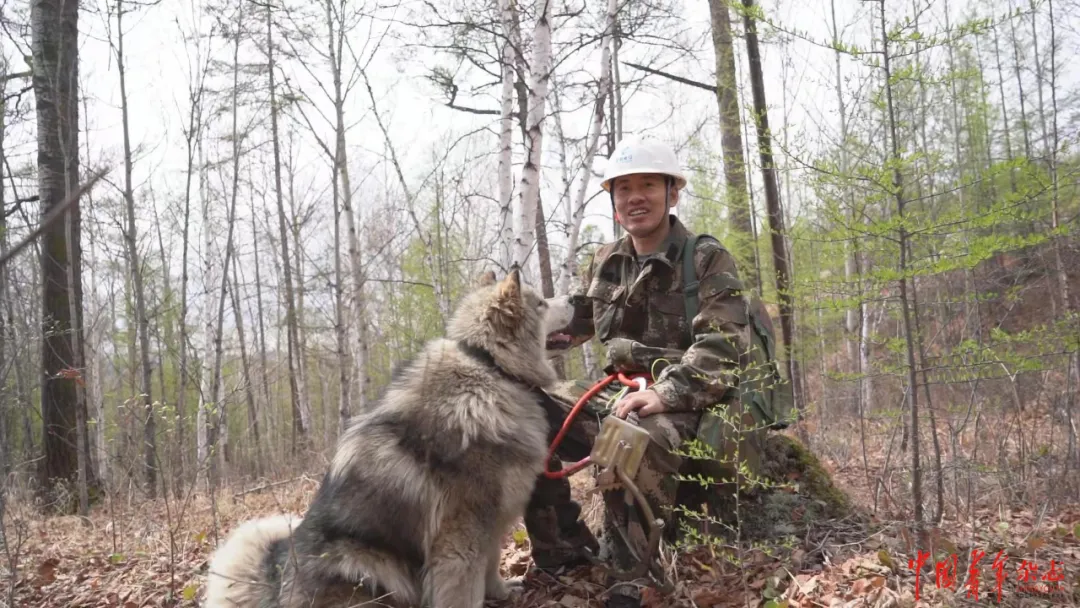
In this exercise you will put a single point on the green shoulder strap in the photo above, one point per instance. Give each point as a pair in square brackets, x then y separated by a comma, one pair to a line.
[691, 282]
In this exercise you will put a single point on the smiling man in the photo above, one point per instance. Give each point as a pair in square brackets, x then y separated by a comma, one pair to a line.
[632, 298]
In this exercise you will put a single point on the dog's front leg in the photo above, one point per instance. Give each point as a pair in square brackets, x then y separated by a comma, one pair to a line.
[496, 587]
[456, 572]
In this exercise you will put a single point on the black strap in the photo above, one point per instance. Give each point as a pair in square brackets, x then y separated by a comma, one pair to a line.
[485, 357]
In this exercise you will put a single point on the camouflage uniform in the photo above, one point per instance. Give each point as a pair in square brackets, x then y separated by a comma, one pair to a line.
[637, 309]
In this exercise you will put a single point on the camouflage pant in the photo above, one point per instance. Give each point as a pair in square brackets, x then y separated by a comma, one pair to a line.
[551, 518]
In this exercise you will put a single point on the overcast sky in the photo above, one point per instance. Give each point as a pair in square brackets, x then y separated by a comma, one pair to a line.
[159, 64]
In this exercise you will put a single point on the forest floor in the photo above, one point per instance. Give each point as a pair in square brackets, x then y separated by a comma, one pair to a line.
[121, 555]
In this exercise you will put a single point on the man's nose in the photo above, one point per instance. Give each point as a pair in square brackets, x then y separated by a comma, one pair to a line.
[635, 196]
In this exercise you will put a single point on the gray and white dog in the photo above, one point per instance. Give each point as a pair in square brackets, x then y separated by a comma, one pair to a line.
[425, 485]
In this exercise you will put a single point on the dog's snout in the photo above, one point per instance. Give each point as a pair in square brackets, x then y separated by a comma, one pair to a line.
[559, 312]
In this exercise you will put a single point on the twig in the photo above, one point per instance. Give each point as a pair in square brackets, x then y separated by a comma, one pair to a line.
[53, 215]
[267, 486]
[680, 79]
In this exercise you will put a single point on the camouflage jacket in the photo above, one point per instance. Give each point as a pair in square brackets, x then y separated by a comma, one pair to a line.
[640, 315]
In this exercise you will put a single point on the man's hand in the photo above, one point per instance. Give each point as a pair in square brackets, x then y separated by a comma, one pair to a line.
[645, 403]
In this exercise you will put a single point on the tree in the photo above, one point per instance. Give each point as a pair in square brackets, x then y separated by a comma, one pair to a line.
[901, 202]
[511, 55]
[300, 423]
[772, 198]
[727, 98]
[131, 236]
[539, 82]
[55, 28]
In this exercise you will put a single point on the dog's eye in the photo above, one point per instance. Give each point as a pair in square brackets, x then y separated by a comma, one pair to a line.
[543, 304]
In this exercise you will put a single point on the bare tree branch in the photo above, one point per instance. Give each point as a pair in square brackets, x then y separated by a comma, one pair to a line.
[693, 83]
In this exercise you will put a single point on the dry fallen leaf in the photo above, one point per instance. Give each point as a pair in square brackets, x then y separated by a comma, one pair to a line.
[46, 572]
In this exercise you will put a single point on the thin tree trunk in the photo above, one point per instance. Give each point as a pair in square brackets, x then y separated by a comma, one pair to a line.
[301, 335]
[727, 98]
[5, 320]
[539, 80]
[576, 211]
[1004, 114]
[340, 322]
[898, 187]
[511, 47]
[268, 405]
[132, 241]
[336, 42]
[851, 316]
[249, 384]
[1039, 79]
[1060, 268]
[299, 431]
[1020, 87]
[772, 201]
[193, 138]
[207, 397]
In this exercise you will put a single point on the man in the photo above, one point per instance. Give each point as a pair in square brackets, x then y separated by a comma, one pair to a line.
[631, 298]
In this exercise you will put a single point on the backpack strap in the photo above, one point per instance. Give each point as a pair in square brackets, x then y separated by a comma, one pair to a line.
[691, 284]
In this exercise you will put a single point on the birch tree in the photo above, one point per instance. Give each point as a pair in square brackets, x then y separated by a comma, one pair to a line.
[539, 82]
[510, 55]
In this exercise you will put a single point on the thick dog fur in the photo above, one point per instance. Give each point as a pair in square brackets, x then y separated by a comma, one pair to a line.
[425, 485]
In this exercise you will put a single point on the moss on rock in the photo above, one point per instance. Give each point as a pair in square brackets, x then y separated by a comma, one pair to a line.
[794, 491]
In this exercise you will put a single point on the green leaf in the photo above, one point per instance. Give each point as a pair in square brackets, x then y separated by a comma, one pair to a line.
[776, 604]
[189, 592]
[886, 560]
[520, 536]
[117, 558]
[1076, 530]
[1002, 527]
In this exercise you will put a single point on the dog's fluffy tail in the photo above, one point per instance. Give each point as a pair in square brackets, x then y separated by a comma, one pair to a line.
[239, 572]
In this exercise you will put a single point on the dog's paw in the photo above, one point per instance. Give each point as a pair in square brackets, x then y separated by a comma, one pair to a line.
[501, 589]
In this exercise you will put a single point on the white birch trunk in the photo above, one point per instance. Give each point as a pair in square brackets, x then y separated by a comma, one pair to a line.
[575, 217]
[506, 131]
[563, 285]
[539, 82]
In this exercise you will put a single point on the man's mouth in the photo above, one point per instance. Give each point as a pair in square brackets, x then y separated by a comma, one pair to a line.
[638, 213]
[558, 341]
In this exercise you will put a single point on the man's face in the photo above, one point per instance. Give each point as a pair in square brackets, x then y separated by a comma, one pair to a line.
[639, 201]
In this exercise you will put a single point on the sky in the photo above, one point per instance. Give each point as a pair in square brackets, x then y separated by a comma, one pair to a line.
[799, 82]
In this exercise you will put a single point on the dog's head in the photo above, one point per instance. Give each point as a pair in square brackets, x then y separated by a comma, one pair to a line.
[509, 316]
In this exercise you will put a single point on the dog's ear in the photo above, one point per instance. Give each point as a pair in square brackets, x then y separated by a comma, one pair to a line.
[484, 279]
[508, 303]
[510, 287]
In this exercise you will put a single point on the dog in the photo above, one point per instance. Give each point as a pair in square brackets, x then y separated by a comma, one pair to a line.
[424, 486]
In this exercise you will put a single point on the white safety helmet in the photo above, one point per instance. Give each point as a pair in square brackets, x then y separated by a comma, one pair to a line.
[642, 156]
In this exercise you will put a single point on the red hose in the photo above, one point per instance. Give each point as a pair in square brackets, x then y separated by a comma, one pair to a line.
[589, 394]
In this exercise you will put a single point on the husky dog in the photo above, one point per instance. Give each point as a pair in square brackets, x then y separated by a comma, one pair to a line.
[425, 485]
